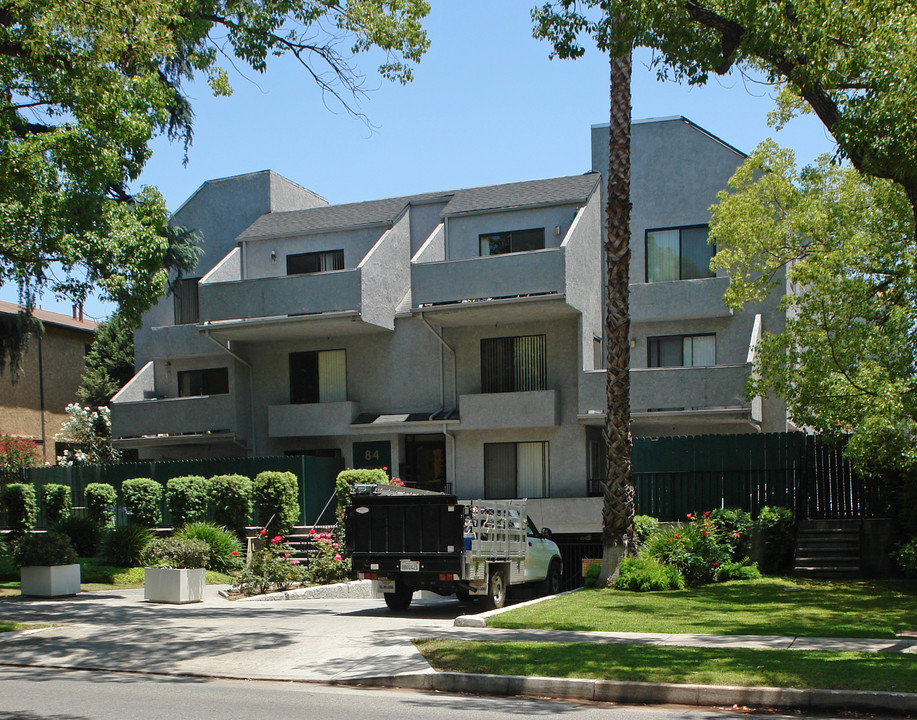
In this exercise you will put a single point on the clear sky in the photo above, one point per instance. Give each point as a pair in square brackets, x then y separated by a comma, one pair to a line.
[486, 106]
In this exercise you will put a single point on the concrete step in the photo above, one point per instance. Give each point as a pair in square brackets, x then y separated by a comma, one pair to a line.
[827, 572]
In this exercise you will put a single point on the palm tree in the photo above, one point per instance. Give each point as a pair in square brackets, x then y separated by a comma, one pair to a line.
[618, 490]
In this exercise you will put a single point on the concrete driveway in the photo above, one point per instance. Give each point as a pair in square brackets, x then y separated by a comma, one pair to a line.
[315, 639]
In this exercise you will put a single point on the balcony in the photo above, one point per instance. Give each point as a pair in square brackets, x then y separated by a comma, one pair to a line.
[141, 418]
[535, 285]
[674, 392]
[339, 302]
[311, 419]
[678, 300]
[493, 411]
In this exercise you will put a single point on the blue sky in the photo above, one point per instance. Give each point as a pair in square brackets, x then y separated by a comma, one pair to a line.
[486, 106]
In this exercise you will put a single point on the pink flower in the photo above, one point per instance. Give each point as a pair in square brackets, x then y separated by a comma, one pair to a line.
[234, 552]
[384, 467]
[335, 545]
[276, 539]
[689, 516]
[677, 536]
[716, 564]
[263, 531]
[735, 535]
[294, 562]
[337, 558]
[286, 554]
[312, 531]
[704, 533]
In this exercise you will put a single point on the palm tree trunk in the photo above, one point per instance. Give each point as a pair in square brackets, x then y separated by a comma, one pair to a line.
[618, 507]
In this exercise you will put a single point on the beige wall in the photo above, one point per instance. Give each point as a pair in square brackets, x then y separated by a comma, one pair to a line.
[62, 351]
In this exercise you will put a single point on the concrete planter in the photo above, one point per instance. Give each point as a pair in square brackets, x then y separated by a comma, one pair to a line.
[50, 580]
[174, 585]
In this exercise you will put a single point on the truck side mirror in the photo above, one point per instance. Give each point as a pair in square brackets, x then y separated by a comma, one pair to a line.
[546, 533]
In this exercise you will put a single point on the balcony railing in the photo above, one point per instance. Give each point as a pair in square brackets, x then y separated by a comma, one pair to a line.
[678, 300]
[485, 411]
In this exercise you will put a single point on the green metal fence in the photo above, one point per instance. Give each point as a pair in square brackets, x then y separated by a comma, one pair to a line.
[316, 479]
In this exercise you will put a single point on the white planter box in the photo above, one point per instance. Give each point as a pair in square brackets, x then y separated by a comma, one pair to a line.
[174, 585]
[50, 580]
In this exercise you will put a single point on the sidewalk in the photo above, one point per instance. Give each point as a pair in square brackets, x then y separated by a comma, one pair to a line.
[357, 641]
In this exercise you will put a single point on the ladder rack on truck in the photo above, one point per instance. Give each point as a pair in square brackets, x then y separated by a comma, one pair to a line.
[407, 540]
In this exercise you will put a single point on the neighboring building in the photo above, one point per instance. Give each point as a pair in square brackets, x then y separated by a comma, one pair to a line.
[453, 337]
[33, 406]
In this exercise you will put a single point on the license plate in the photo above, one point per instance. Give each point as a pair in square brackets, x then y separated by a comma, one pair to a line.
[410, 566]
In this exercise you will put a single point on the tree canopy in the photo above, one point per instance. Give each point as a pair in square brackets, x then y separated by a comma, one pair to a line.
[851, 63]
[85, 86]
[109, 362]
[843, 243]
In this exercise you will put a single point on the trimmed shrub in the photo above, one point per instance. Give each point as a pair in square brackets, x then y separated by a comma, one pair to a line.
[101, 500]
[591, 577]
[906, 557]
[186, 498]
[176, 552]
[124, 546]
[645, 574]
[21, 508]
[775, 529]
[56, 499]
[733, 531]
[231, 502]
[737, 571]
[142, 501]
[83, 533]
[44, 549]
[691, 549]
[644, 527]
[276, 494]
[346, 479]
[223, 545]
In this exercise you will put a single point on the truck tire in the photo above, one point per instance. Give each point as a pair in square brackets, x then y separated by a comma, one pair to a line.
[400, 599]
[496, 591]
[551, 585]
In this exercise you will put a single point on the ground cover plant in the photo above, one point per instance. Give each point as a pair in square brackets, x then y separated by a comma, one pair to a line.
[767, 606]
[655, 664]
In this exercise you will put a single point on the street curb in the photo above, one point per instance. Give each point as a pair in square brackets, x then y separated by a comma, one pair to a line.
[480, 619]
[355, 589]
[646, 693]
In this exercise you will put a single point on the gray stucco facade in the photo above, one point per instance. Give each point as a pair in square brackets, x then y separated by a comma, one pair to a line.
[425, 340]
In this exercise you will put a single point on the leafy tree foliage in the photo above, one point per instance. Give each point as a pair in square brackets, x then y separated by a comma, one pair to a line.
[109, 362]
[850, 63]
[85, 87]
[17, 452]
[844, 243]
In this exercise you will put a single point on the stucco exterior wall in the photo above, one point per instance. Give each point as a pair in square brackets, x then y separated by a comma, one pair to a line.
[463, 231]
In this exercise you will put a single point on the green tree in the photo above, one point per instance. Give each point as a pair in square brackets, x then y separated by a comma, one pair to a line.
[562, 25]
[85, 87]
[109, 362]
[843, 242]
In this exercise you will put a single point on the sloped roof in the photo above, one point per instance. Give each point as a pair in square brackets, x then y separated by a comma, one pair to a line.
[554, 191]
[52, 318]
[572, 189]
[332, 217]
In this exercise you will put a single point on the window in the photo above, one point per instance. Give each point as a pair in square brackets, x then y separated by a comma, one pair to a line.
[186, 308]
[682, 350]
[210, 381]
[313, 262]
[512, 241]
[318, 376]
[678, 254]
[513, 364]
[516, 470]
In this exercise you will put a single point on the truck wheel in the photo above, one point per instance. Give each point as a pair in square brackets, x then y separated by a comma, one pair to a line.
[551, 584]
[400, 599]
[496, 595]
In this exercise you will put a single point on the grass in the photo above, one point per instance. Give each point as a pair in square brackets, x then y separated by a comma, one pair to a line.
[8, 626]
[770, 606]
[704, 666]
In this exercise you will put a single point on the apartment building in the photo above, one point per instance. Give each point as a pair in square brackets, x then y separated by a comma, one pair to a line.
[453, 337]
[33, 404]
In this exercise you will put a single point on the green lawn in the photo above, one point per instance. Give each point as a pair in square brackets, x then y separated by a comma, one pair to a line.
[703, 666]
[770, 606]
